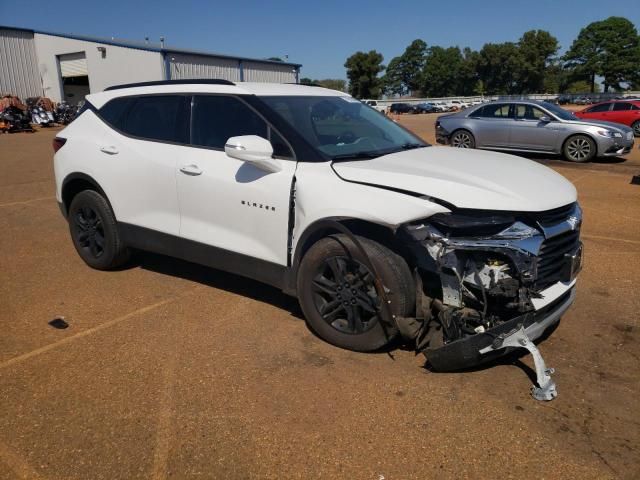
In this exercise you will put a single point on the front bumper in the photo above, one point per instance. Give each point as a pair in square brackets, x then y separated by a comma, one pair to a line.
[465, 353]
[442, 136]
[613, 147]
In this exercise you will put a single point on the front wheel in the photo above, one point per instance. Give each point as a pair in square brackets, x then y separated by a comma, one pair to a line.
[636, 128]
[338, 297]
[463, 139]
[579, 148]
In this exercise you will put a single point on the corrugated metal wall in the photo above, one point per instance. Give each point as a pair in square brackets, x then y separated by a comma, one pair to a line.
[18, 64]
[268, 72]
[199, 66]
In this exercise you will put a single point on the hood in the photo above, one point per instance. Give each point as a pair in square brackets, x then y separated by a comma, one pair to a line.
[466, 178]
[601, 123]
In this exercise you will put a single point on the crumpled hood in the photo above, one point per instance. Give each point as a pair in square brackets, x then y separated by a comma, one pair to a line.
[466, 178]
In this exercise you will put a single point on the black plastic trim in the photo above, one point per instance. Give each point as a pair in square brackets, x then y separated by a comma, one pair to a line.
[154, 83]
[196, 252]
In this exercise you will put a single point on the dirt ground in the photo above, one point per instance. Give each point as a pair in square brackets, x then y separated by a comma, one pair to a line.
[173, 370]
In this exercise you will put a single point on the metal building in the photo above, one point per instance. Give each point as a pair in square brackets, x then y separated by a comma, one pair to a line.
[68, 67]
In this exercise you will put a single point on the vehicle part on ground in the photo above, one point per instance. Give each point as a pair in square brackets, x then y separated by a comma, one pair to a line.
[546, 388]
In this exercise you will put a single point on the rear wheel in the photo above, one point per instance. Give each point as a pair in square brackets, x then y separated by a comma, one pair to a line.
[463, 139]
[338, 296]
[636, 128]
[94, 231]
[579, 148]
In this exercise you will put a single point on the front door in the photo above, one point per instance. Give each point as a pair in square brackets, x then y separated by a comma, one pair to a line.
[530, 133]
[226, 203]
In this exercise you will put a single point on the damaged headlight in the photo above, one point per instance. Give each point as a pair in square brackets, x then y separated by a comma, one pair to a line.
[462, 224]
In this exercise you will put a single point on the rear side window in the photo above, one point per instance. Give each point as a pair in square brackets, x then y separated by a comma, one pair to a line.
[622, 106]
[215, 119]
[162, 118]
[500, 110]
[158, 117]
[599, 108]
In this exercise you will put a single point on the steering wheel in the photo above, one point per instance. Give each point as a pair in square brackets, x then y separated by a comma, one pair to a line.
[346, 137]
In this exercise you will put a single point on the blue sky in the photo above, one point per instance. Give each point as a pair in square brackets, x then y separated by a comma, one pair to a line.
[320, 34]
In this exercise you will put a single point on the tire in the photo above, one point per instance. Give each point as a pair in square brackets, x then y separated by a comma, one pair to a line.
[350, 319]
[463, 139]
[579, 148]
[94, 232]
[636, 128]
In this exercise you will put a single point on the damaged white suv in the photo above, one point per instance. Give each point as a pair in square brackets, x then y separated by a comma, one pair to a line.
[376, 232]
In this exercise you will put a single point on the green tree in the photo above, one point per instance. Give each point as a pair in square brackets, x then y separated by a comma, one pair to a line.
[609, 48]
[499, 65]
[535, 49]
[468, 82]
[306, 81]
[404, 72]
[440, 77]
[581, 86]
[392, 79]
[332, 83]
[363, 69]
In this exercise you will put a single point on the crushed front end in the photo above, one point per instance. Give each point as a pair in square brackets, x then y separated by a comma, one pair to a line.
[487, 278]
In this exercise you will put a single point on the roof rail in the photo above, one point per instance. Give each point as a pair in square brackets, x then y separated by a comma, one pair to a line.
[206, 81]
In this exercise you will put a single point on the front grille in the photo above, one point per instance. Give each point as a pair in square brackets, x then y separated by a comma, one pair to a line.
[553, 217]
[551, 264]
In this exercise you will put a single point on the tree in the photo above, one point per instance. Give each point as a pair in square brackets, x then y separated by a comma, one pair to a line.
[441, 70]
[404, 72]
[609, 48]
[275, 59]
[580, 86]
[536, 49]
[306, 81]
[362, 71]
[332, 83]
[499, 66]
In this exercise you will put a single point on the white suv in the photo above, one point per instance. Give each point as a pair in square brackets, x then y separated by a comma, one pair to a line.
[376, 232]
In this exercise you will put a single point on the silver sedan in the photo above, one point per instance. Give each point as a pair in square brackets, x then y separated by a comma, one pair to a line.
[532, 126]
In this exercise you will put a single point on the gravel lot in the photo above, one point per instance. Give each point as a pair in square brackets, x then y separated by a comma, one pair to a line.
[173, 370]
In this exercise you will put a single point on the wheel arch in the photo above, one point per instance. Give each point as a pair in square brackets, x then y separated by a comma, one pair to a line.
[322, 228]
[574, 134]
[75, 183]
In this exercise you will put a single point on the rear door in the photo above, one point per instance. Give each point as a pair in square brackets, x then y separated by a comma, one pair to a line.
[624, 112]
[530, 133]
[492, 125]
[148, 135]
[224, 202]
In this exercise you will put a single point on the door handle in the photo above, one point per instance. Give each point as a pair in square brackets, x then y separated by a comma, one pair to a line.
[192, 170]
[109, 149]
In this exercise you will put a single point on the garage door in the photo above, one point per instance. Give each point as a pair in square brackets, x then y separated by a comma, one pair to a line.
[73, 65]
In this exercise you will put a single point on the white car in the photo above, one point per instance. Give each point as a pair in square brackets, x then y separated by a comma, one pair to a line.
[376, 232]
[375, 105]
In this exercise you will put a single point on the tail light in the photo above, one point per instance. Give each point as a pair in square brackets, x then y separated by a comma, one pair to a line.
[58, 143]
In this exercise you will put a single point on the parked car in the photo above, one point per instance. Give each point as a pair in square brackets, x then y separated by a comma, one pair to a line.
[425, 108]
[533, 126]
[375, 105]
[618, 111]
[402, 108]
[459, 104]
[366, 226]
[563, 99]
[440, 107]
[583, 101]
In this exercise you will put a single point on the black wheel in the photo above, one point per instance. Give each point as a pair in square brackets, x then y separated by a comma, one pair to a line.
[579, 148]
[94, 231]
[463, 139]
[636, 128]
[338, 296]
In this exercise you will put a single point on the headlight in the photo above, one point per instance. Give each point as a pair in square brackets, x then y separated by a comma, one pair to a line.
[460, 224]
[609, 133]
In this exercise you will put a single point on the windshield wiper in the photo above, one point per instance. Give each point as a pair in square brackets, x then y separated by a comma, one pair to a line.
[356, 156]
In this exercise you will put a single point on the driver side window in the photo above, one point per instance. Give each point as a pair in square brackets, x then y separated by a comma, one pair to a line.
[216, 118]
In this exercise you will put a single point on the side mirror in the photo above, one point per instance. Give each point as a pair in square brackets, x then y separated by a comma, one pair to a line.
[254, 150]
[545, 119]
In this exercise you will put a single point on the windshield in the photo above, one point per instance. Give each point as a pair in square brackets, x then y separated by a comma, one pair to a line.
[559, 112]
[343, 127]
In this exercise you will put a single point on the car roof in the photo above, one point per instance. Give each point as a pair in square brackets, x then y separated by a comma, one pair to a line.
[209, 86]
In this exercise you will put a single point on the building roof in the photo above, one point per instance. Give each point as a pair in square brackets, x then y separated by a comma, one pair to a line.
[148, 46]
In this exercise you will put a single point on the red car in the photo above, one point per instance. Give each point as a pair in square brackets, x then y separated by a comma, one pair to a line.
[626, 112]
